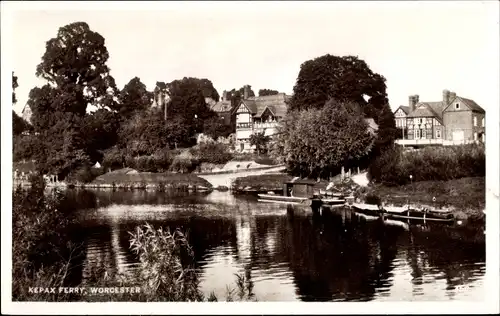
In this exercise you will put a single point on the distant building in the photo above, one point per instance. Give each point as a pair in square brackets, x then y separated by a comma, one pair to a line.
[400, 116]
[258, 114]
[224, 109]
[453, 120]
[26, 113]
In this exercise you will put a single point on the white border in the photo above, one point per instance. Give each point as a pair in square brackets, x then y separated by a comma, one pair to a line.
[490, 305]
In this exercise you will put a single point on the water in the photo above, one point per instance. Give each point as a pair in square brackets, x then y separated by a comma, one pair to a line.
[288, 255]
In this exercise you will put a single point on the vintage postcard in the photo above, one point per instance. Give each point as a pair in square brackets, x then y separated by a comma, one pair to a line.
[250, 157]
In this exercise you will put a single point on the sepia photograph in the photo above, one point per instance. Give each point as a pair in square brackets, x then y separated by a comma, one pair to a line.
[284, 157]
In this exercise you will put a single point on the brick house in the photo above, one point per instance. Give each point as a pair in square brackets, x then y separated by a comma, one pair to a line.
[453, 120]
[258, 114]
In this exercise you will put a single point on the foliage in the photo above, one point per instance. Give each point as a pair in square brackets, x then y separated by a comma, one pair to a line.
[237, 95]
[147, 132]
[211, 152]
[19, 125]
[15, 84]
[184, 162]
[101, 129]
[187, 103]
[166, 264]
[41, 255]
[133, 98]
[74, 64]
[347, 79]
[318, 142]
[264, 92]
[26, 148]
[215, 127]
[260, 141]
[395, 166]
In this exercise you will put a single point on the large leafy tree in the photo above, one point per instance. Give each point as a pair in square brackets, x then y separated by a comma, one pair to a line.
[187, 103]
[133, 98]
[346, 79]
[147, 132]
[265, 92]
[318, 142]
[74, 64]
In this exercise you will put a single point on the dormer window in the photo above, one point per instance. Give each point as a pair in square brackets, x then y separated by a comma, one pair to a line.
[457, 106]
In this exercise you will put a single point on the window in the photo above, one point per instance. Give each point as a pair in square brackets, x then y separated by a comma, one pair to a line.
[482, 121]
[475, 121]
[457, 106]
[438, 133]
[420, 121]
[417, 133]
[475, 136]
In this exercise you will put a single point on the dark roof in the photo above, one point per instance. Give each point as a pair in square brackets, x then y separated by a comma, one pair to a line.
[275, 103]
[471, 104]
[429, 109]
[405, 109]
[222, 106]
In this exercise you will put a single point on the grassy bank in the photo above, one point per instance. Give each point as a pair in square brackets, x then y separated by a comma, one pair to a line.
[466, 195]
[395, 166]
[266, 182]
[132, 178]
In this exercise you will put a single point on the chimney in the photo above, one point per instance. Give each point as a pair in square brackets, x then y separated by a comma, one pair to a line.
[453, 95]
[413, 100]
[246, 92]
[224, 95]
[446, 96]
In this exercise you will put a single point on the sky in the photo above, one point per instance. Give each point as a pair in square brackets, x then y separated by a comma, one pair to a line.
[419, 47]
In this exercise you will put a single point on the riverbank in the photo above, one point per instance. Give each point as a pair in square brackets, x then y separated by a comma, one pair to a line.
[466, 196]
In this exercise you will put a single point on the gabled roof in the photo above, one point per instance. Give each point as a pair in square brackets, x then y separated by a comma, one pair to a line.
[470, 103]
[405, 109]
[429, 109]
[222, 106]
[275, 103]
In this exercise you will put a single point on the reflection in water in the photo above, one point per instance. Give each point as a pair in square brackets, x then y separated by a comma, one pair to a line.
[287, 254]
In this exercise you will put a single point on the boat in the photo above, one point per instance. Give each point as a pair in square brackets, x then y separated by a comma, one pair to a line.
[275, 198]
[402, 213]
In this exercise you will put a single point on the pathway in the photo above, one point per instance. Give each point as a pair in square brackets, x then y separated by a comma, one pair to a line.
[226, 179]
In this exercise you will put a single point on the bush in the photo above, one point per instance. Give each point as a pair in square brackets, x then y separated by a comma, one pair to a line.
[166, 264]
[114, 158]
[212, 152]
[395, 166]
[84, 174]
[184, 162]
[41, 255]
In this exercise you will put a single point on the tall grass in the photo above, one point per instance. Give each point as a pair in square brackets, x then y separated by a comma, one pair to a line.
[43, 256]
[395, 166]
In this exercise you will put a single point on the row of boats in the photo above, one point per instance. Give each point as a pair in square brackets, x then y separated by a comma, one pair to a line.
[337, 199]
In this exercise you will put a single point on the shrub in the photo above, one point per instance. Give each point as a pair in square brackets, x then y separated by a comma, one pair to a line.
[395, 166]
[114, 158]
[166, 264]
[84, 174]
[184, 162]
[41, 255]
[212, 152]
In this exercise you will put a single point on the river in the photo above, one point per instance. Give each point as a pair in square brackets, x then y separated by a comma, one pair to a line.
[288, 255]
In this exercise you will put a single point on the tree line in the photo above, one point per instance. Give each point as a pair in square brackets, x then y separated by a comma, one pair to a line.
[325, 128]
[63, 136]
